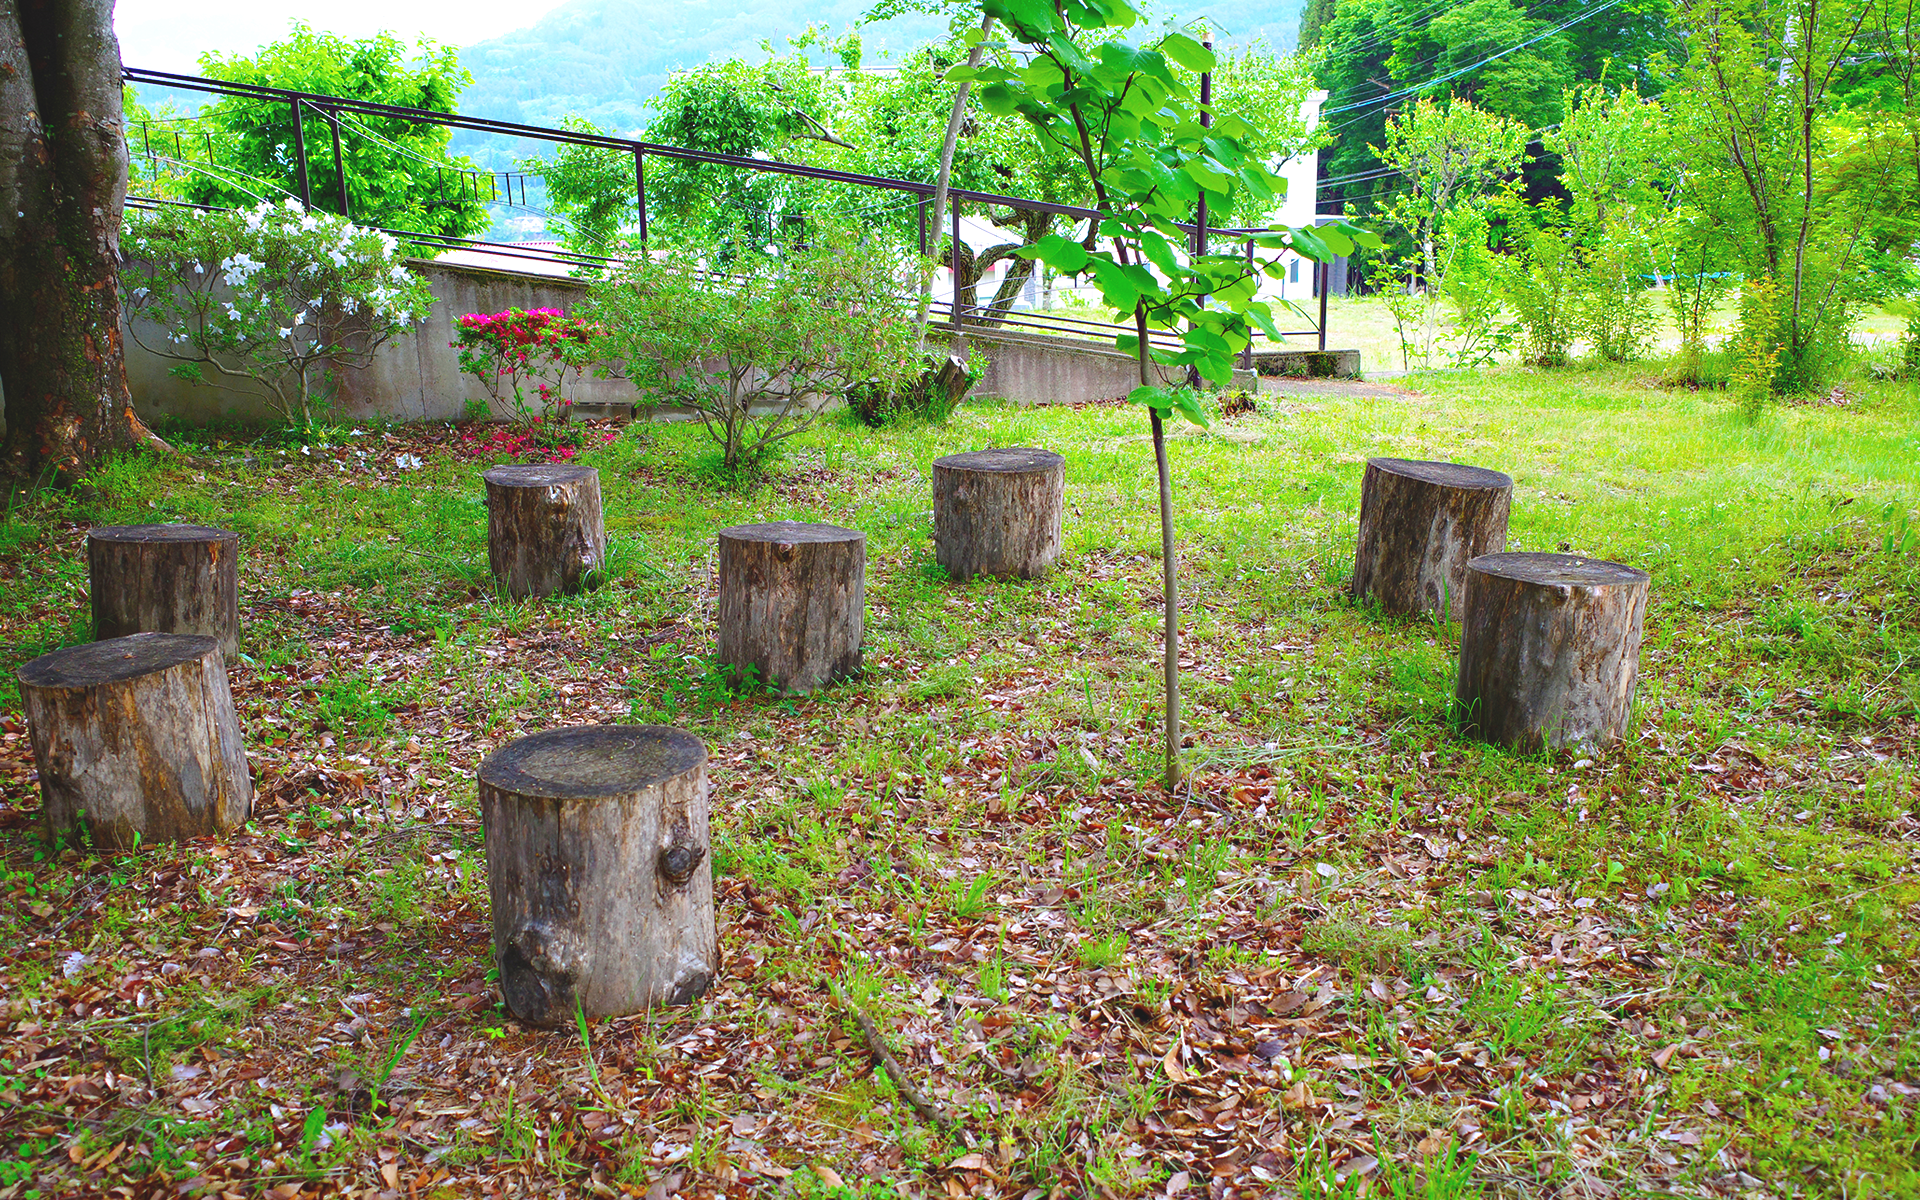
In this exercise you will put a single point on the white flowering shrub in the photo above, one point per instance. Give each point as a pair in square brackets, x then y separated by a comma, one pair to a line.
[277, 295]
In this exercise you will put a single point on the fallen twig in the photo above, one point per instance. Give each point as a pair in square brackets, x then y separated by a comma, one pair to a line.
[928, 1108]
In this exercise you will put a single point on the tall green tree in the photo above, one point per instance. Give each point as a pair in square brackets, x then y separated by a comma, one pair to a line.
[399, 174]
[1376, 57]
[1812, 190]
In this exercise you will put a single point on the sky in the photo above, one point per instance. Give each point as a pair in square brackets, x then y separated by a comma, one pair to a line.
[169, 35]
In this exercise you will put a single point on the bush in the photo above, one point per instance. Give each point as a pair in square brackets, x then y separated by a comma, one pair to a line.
[278, 295]
[1537, 282]
[754, 350]
[508, 350]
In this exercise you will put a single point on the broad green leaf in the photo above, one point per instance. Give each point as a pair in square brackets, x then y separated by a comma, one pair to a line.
[1159, 252]
[961, 73]
[1188, 402]
[1115, 285]
[1187, 52]
[1062, 254]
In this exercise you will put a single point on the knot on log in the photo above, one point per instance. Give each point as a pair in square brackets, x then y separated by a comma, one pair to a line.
[677, 862]
[537, 973]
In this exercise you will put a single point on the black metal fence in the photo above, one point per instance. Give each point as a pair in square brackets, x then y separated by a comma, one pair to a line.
[331, 110]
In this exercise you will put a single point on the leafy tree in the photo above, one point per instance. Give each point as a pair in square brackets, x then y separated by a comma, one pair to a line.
[592, 190]
[1314, 17]
[753, 349]
[63, 180]
[1451, 158]
[1810, 190]
[399, 174]
[277, 296]
[1132, 123]
[1513, 59]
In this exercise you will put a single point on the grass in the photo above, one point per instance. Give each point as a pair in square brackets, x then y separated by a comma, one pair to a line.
[1357, 954]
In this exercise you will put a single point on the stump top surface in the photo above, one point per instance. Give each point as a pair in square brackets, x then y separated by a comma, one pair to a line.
[114, 660]
[533, 475]
[592, 762]
[1014, 460]
[1446, 474]
[160, 533]
[1531, 567]
[791, 532]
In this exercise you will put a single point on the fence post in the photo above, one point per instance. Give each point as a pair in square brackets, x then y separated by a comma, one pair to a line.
[300, 154]
[340, 166]
[640, 191]
[1246, 356]
[1325, 273]
[923, 226]
[953, 256]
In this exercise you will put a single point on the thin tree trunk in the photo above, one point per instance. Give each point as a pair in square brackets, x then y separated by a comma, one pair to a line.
[940, 185]
[63, 182]
[1171, 666]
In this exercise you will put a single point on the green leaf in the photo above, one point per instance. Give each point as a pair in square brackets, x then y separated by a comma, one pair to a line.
[1116, 286]
[1188, 402]
[1187, 52]
[961, 73]
[1159, 399]
[1062, 254]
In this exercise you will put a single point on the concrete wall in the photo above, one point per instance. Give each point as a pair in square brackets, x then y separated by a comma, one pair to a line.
[415, 377]
[418, 378]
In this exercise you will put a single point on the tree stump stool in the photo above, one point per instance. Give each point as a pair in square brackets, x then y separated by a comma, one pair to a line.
[137, 734]
[793, 601]
[1420, 523]
[598, 869]
[165, 579]
[1549, 649]
[997, 512]
[545, 534]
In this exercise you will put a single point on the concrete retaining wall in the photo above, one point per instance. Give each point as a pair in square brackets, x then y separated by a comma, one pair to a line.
[417, 377]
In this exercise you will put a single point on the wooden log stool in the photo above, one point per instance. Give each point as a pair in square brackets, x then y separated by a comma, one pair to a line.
[598, 867]
[1420, 523]
[997, 512]
[1549, 649]
[545, 534]
[138, 734]
[793, 601]
[165, 579]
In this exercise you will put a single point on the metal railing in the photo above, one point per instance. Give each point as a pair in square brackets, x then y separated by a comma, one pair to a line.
[331, 109]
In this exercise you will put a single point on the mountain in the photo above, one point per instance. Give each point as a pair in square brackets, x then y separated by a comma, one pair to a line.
[603, 59]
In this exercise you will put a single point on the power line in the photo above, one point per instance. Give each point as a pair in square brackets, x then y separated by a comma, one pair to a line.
[1415, 89]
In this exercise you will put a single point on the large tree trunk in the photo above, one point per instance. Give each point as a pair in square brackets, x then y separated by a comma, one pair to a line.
[63, 182]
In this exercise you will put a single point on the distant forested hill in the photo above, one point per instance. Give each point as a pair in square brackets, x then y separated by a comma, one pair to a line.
[603, 59]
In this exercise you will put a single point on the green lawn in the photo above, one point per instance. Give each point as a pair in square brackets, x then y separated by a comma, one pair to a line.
[1357, 952]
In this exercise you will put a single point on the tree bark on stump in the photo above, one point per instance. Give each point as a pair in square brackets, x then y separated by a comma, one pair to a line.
[793, 602]
[998, 512]
[545, 534]
[139, 734]
[165, 579]
[1420, 524]
[1549, 650]
[598, 869]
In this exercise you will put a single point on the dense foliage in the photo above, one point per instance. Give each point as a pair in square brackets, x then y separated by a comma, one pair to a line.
[755, 347]
[399, 174]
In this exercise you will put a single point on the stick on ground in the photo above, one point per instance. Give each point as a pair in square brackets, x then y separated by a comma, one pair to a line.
[929, 1109]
